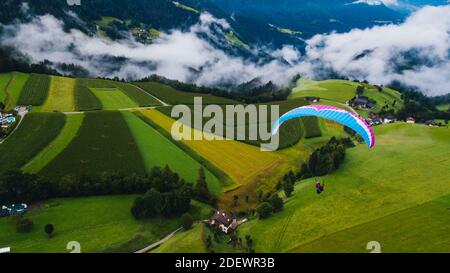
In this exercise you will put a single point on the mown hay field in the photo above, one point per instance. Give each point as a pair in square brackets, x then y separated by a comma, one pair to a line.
[67, 134]
[157, 150]
[61, 96]
[36, 131]
[13, 89]
[142, 98]
[5, 78]
[85, 100]
[290, 132]
[103, 144]
[240, 161]
[35, 91]
[173, 96]
[113, 98]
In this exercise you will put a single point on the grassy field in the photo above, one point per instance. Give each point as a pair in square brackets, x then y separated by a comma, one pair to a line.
[139, 96]
[157, 150]
[35, 91]
[240, 161]
[337, 90]
[443, 107]
[103, 144]
[370, 185]
[290, 132]
[14, 88]
[113, 98]
[4, 81]
[185, 241]
[341, 91]
[423, 228]
[69, 131]
[85, 100]
[34, 134]
[97, 223]
[172, 96]
[61, 96]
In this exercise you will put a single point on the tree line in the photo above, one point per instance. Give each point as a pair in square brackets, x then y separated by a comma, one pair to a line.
[19, 187]
[244, 93]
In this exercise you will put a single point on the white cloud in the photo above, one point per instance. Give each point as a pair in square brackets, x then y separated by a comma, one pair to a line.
[380, 54]
[415, 52]
[377, 2]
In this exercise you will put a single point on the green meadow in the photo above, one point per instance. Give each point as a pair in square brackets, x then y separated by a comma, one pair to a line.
[35, 91]
[173, 96]
[113, 98]
[157, 150]
[336, 90]
[101, 223]
[4, 82]
[69, 131]
[185, 241]
[36, 131]
[422, 228]
[85, 100]
[61, 95]
[443, 107]
[141, 97]
[406, 169]
[14, 89]
[103, 144]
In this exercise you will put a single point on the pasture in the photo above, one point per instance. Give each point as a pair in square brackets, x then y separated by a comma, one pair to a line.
[113, 98]
[336, 90]
[85, 100]
[290, 132]
[68, 132]
[185, 241]
[103, 144]
[34, 134]
[421, 228]
[14, 89]
[61, 96]
[243, 163]
[369, 185]
[141, 97]
[4, 82]
[35, 91]
[99, 224]
[157, 150]
[333, 92]
[443, 107]
[173, 96]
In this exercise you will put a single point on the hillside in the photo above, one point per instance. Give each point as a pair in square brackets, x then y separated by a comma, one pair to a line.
[373, 196]
[82, 127]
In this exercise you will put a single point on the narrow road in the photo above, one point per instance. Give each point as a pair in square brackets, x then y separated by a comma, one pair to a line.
[156, 244]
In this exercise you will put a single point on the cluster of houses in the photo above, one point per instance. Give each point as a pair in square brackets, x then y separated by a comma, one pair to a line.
[373, 119]
[15, 209]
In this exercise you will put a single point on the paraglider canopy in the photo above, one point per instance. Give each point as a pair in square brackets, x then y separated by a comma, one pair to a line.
[349, 119]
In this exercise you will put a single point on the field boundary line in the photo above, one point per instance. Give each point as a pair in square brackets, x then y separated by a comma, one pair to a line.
[142, 90]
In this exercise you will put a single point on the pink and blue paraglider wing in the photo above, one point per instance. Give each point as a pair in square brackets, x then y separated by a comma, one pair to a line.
[349, 119]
